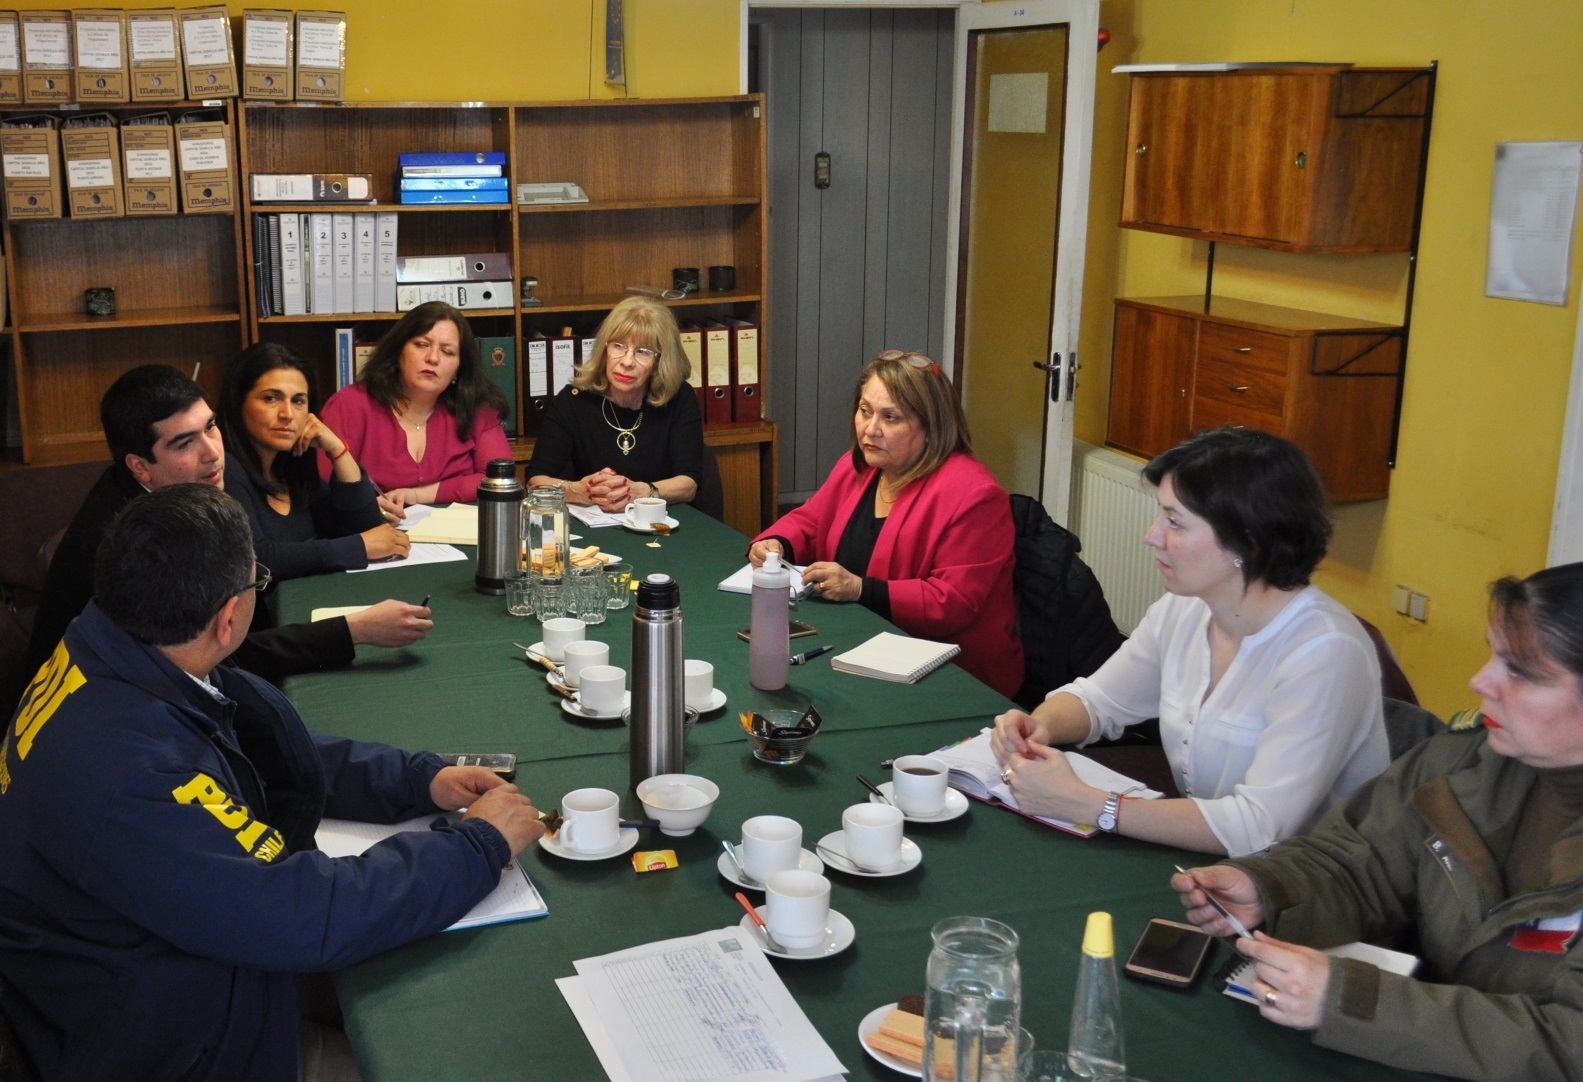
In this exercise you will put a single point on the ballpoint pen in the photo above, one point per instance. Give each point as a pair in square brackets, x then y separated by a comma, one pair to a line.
[809, 655]
[1236, 925]
[425, 602]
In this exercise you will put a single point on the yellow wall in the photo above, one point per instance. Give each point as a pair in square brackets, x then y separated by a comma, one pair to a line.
[522, 50]
[1486, 380]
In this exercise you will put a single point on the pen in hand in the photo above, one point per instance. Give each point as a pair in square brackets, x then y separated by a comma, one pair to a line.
[1236, 925]
[809, 655]
[425, 602]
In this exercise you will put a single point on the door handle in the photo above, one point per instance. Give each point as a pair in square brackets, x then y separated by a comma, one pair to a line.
[1243, 349]
[1240, 388]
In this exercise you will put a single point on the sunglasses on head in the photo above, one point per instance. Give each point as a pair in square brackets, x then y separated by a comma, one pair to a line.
[916, 360]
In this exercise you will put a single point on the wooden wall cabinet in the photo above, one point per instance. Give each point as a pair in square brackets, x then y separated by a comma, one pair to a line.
[1326, 383]
[1311, 159]
[178, 284]
[671, 183]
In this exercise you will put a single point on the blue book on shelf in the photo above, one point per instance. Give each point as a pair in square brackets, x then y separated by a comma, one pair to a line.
[454, 184]
[454, 157]
[410, 196]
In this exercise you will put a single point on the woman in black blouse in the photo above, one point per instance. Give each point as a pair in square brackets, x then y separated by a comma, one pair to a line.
[628, 425]
[301, 524]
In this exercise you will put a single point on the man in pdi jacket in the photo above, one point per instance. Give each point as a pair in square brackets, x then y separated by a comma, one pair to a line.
[157, 813]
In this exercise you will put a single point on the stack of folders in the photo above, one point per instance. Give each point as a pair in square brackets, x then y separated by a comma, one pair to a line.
[456, 176]
[723, 369]
[897, 658]
[476, 280]
[325, 262]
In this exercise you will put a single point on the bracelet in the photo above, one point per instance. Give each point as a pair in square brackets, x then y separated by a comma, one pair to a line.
[344, 449]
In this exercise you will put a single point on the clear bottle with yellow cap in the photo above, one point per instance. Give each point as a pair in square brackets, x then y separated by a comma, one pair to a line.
[1094, 1049]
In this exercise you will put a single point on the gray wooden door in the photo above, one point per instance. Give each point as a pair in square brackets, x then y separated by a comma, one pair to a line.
[859, 266]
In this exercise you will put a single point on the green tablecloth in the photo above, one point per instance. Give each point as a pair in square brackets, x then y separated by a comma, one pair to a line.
[482, 1004]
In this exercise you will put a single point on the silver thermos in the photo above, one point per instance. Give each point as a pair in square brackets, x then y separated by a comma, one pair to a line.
[499, 540]
[658, 701]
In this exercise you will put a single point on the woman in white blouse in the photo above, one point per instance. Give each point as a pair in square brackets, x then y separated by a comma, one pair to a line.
[1267, 690]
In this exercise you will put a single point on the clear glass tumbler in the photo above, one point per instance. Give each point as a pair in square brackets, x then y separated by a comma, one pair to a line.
[549, 597]
[620, 576]
[590, 590]
[519, 593]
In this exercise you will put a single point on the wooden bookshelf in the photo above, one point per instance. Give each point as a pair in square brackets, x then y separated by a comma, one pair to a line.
[179, 300]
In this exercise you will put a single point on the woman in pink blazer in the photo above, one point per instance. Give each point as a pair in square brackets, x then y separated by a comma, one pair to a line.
[910, 525]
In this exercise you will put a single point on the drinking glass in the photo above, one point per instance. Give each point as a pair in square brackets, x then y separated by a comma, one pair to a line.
[620, 576]
[590, 590]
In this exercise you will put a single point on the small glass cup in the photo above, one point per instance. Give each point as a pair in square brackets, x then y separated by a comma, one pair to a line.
[619, 575]
[519, 593]
[590, 589]
[549, 598]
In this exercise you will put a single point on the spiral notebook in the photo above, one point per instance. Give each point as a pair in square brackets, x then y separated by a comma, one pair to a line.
[896, 658]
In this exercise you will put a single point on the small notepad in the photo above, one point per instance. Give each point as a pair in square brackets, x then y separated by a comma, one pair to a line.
[896, 658]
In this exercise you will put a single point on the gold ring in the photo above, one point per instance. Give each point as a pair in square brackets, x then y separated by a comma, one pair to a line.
[1270, 998]
[1005, 774]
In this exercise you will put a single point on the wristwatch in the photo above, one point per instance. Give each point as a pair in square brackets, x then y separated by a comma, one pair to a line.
[1107, 814]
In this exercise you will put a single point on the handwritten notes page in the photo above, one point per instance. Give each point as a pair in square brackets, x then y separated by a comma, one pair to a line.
[696, 1009]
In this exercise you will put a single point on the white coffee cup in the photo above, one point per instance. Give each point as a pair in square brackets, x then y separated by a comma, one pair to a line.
[698, 683]
[560, 630]
[770, 844]
[918, 784]
[602, 689]
[797, 908]
[592, 820]
[873, 836]
[648, 510]
[582, 654]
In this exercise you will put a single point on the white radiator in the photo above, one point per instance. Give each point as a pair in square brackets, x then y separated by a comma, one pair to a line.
[1112, 507]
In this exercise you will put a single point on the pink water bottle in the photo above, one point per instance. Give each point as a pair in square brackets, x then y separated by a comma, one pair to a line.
[769, 646]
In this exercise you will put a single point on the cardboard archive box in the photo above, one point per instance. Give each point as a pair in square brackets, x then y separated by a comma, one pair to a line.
[148, 155]
[321, 55]
[206, 49]
[46, 57]
[30, 162]
[153, 46]
[99, 42]
[266, 55]
[10, 59]
[203, 153]
[92, 157]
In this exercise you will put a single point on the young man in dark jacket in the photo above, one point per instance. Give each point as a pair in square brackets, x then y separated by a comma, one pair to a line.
[157, 812]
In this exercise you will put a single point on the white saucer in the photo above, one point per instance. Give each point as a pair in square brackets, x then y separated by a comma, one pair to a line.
[717, 699]
[955, 805]
[629, 523]
[839, 935]
[575, 709]
[624, 843]
[835, 841]
[870, 1023]
[808, 862]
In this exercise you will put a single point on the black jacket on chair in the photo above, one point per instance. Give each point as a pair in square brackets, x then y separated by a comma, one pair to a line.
[1065, 623]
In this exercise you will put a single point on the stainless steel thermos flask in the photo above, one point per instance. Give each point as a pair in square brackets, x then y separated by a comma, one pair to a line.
[499, 543]
[658, 702]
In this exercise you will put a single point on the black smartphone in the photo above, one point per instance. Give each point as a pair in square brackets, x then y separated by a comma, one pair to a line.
[502, 763]
[1169, 953]
[797, 627]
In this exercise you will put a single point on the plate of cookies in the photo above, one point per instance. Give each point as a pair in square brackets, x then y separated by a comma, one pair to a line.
[893, 1035]
[591, 556]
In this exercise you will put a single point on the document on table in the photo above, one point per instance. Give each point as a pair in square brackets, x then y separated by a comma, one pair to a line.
[420, 553]
[330, 612]
[515, 898]
[453, 525]
[590, 515]
[696, 1009]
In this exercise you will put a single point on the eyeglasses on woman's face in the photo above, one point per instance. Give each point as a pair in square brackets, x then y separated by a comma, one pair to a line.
[642, 354]
[916, 360]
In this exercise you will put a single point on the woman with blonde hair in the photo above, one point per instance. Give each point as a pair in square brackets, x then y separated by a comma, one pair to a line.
[910, 524]
[628, 425]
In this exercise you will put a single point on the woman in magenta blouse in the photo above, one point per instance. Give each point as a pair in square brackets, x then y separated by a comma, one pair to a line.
[423, 419]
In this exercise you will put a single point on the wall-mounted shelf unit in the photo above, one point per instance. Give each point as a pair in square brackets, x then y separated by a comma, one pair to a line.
[1303, 159]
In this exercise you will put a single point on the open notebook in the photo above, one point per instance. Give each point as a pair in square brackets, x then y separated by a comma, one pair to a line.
[897, 658]
[515, 898]
[975, 772]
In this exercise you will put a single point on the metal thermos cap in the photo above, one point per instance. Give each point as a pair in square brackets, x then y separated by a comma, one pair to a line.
[659, 591]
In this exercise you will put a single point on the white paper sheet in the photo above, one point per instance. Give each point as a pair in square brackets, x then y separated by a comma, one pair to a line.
[590, 515]
[514, 898]
[1533, 205]
[697, 1009]
[418, 554]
